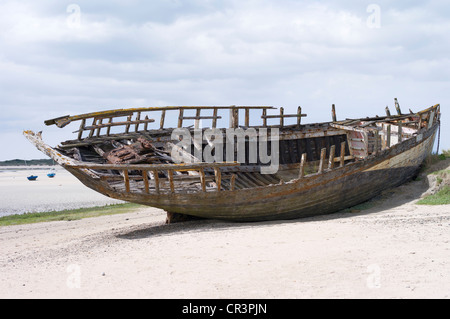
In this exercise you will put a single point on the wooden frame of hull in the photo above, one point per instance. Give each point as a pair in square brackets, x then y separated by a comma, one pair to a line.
[315, 194]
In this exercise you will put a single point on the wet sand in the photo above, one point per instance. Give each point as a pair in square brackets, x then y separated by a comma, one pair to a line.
[64, 191]
[393, 249]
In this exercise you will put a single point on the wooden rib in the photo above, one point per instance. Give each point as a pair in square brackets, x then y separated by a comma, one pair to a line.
[80, 133]
[156, 179]
[138, 118]
[299, 116]
[202, 179]
[161, 122]
[127, 127]
[197, 119]
[233, 182]
[247, 117]
[99, 128]
[214, 120]
[108, 129]
[170, 175]
[146, 123]
[376, 141]
[146, 186]
[127, 180]
[91, 133]
[264, 117]
[180, 118]
[388, 136]
[281, 116]
[218, 176]
[342, 159]
[331, 157]
[333, 113]
[388, 112]
[301, 172]
[323, 153]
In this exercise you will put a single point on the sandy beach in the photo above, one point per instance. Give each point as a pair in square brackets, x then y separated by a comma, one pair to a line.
[392, 249]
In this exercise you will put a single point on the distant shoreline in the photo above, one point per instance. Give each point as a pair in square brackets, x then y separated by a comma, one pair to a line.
[21, 162]
[27, 168]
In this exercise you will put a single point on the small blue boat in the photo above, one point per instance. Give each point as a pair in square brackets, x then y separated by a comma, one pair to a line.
[32, 177]
[51, 175]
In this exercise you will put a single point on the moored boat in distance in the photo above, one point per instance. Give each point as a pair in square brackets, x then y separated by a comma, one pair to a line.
[249, 170]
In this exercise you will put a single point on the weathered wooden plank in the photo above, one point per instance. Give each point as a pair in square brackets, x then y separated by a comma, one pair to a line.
[171, 183]
[218, 176]
[127, 180]
[301, 172]
[331, 157]
[323, 153]
[146, 185]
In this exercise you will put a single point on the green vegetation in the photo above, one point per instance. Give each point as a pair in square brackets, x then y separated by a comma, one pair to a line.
[20, 162]
[68, 215]
[440, 198]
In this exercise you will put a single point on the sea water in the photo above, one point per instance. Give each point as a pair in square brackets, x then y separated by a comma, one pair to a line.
[18, 195]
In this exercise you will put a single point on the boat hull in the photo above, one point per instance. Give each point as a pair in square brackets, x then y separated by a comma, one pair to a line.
[316, 194]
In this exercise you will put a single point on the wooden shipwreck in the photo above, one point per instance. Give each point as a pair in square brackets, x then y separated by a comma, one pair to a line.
[322, 168]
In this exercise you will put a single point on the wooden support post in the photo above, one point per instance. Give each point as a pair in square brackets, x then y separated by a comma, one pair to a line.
[146, 123]
[281, 116]
[264, 114]
[214, 120]
[218, 176]
[202, 179]
[400, 131]
[397, 107]
[80, 133]
[156, 179]
[342, 163]
[94, 122]
[99, 129]
[197, 119]
[323, 153]
[180, 118]
[388, 113]
[333, 113]
[388, 136]
[127, 180]
[108, 130]
[232, 182]
[331, 157]
[376, 145]
[127, 129]
[146, 186]
[247, 118]
[301, 172]
[172, 186]
[234, 117]
[138, 119]
[299, 116]
[161, 122]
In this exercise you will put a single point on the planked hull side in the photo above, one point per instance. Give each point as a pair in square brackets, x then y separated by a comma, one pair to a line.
[314, 195]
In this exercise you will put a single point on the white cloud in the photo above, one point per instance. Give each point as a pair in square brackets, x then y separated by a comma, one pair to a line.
[283, 53]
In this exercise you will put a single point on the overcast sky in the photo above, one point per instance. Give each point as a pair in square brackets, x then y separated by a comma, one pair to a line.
[59, 58]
